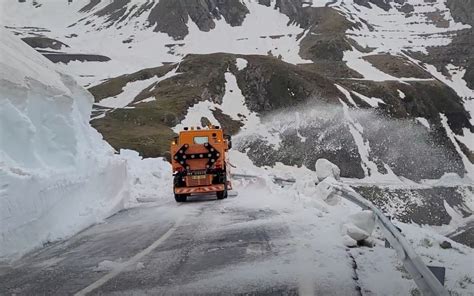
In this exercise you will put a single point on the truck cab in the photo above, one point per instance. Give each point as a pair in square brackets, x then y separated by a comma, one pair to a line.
[198, 159]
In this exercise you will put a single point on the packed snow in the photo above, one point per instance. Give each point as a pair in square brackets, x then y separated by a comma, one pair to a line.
[57, 175]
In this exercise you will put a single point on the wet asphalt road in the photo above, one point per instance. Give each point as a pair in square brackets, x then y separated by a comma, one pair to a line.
[202, 247]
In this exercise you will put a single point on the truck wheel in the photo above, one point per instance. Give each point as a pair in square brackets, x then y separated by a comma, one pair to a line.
[221, 194]
[180, 197]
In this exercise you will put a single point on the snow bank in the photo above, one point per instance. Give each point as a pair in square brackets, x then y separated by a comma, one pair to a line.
[325, 190]
[325, 168]
[360, 225]
[57, 175]
[151, 178]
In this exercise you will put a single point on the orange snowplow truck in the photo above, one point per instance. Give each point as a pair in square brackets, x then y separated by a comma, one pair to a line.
[198, 158]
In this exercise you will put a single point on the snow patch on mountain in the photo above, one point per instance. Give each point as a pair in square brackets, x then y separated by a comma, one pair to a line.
[347, 94]
[234, 105]
[401, 94]
[373, 102]
[263, 31]
[423, 121]
[203, 109]
[128, 94]
[132, 45]
[241, 63]
[393, 30]
[354, 59]
[468, 165]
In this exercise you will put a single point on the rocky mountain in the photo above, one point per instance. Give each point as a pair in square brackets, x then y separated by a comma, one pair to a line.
[382, 88]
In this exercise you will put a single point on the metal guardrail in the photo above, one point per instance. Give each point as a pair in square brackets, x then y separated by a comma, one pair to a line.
[423, 277]
[421, 274]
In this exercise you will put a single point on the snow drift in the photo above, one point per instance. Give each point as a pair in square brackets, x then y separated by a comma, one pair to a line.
[57, 175]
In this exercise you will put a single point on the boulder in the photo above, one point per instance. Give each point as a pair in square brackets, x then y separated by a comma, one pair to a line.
[355, 232]
[445, 245]
[364, 220]
[325, 168]
[349, 241]
[326, 192]
[360, 226]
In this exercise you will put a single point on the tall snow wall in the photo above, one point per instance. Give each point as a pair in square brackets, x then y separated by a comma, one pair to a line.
[57, 175]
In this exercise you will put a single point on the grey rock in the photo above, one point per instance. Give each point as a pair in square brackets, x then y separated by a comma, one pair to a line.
[445, 245]
[171, 16]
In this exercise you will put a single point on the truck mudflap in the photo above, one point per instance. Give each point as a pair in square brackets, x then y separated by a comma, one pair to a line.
[199, 189]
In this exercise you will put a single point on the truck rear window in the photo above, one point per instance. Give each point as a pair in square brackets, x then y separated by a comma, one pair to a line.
[201, 140]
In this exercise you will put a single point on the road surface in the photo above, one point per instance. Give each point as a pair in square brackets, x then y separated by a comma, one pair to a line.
[250, 244]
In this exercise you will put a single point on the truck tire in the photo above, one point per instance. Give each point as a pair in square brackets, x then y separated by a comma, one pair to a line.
[221, 194]
[180, 197]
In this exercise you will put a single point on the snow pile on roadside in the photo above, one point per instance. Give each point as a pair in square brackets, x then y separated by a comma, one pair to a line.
[318, 216]
[359, 227]
[151, 178]
[325, 168]
[57, 175]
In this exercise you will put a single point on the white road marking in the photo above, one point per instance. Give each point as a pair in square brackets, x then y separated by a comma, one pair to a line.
[131, 262]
